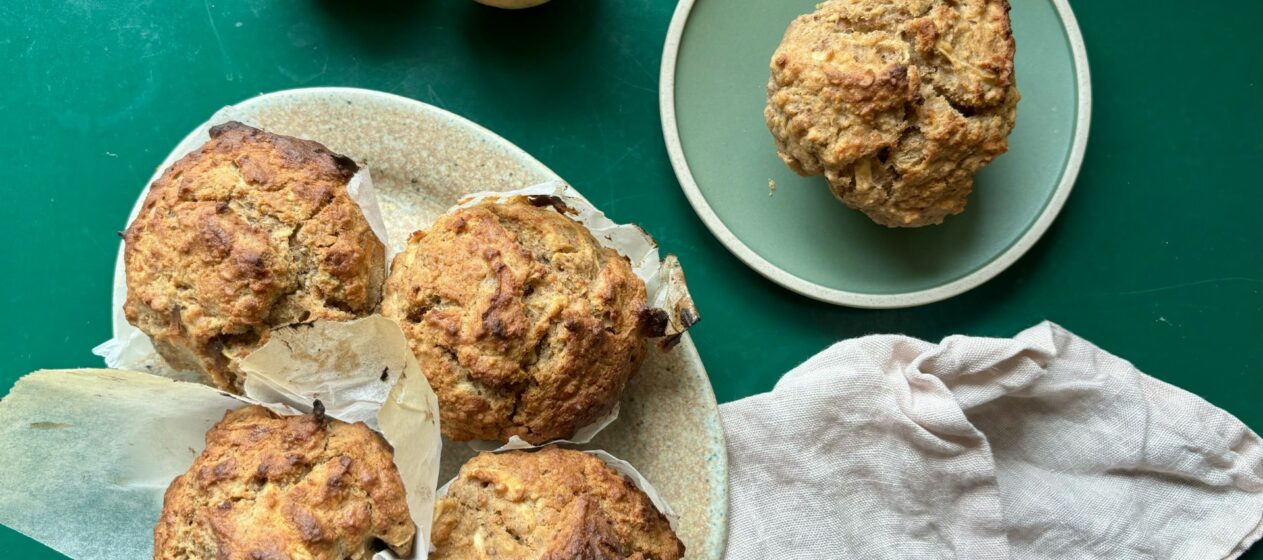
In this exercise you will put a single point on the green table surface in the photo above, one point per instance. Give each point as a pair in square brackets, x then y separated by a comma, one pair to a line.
[1157, 257]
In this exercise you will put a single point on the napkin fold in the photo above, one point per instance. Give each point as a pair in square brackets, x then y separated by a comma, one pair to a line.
[1040, 446]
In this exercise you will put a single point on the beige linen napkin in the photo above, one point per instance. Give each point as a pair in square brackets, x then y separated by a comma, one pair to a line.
[1040, 446]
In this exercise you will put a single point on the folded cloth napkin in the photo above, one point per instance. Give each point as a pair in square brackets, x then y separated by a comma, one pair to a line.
[1042, 446]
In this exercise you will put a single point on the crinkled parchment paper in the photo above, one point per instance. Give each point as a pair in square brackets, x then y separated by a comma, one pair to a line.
[362, 371]
[623, 467]
[86, 455]
[666, 290]
[581, 436]
[641, 482]
[130, 348]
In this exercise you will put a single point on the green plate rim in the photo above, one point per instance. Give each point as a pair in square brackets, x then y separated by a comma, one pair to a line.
[671, 134]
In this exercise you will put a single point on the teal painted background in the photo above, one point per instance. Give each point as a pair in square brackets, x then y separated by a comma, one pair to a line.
[1157, 256]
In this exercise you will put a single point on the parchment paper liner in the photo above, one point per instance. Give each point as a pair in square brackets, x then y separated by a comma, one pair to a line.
[85, 455]
[617, 464]
[131, 349]
[665, 286]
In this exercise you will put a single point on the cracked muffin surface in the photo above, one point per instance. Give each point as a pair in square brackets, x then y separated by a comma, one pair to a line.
[249, 232]
[524, 324]
[550, 504]
[898, 103]
[269, 486]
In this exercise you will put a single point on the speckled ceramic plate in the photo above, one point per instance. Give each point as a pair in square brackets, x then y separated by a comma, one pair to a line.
[422, 160]
[712, 93]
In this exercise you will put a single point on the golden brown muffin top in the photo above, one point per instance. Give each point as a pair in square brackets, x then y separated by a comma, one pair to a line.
[524, 324]
[281, 487]
[550, 504]
[249, 232]
[897, 102]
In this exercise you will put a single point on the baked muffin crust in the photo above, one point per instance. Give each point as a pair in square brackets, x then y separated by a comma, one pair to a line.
[277, 487]
[249, 232]
[554, 503]
[898, 103]
[524, 324]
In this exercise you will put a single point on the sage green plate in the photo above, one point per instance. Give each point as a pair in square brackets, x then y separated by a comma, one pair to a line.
[714, 75]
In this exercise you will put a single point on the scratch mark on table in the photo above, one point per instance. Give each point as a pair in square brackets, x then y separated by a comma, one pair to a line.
[620, 79]
[605, 175]
[151, 54]
[434, 94]
[1190, 285]
[627, 53]
[634, 148]
[223, 52]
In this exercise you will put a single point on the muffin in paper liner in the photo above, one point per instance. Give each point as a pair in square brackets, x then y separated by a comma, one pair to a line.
[522, 489]
[86, 455]
[132, 349]
[667, 313]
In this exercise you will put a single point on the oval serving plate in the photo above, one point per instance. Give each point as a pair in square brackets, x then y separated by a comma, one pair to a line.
[712, 93]
[423, 159]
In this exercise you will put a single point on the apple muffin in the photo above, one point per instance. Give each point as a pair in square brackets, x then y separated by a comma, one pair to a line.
[249, 232]
[269, 486]
[898, 103]
[552, 503]
[524, 324]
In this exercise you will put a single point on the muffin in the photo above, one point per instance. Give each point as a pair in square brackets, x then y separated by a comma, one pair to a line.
[524, 324]
[553, 503]
[268, 486]
[898, 103]
[249, 232]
